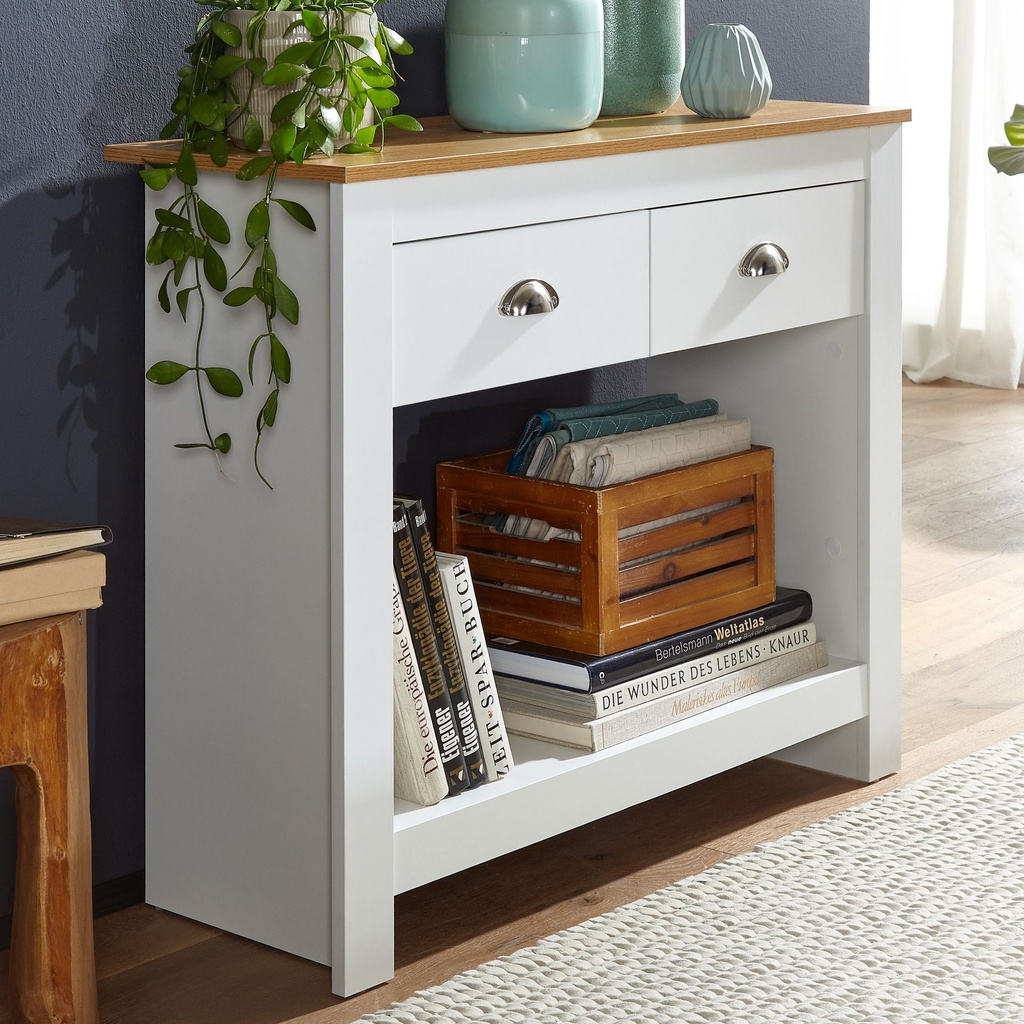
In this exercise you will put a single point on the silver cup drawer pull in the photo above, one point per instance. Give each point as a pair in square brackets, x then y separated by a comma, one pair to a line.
[528, 298]
[763, 260]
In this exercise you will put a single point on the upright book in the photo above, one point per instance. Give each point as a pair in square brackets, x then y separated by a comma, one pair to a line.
[419, 776]
[22, 540]
[476, 663]
[527, 660]
[599, 733]
[428, 657]
[451, 663]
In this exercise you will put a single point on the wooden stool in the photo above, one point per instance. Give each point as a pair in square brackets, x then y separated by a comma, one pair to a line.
[44, 739]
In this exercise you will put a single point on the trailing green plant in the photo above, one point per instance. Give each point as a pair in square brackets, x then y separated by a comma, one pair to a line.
[338, 97]
[1010, 159]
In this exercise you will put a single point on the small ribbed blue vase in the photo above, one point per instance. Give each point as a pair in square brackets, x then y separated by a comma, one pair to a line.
[524, 65]
[725, 73]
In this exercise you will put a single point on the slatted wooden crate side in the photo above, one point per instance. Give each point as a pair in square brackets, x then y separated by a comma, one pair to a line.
[607, 592]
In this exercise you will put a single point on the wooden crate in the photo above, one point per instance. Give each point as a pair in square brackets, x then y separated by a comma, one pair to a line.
[631, 576]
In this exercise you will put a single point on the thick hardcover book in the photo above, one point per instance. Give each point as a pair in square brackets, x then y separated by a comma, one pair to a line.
[22, 540]
[588, 673]
[419, 776]
[476, 663]
[451, 662]
[52, 586]
[599, 733]
[428, 656]
[655, 684]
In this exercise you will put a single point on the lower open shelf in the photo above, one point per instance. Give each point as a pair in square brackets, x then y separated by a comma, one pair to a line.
[553, 788]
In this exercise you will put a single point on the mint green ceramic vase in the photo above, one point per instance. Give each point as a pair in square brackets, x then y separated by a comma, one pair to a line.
[524, 65]
[726, 74]
[643, 55]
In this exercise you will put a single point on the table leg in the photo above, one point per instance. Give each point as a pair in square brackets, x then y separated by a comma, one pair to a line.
[44, 738]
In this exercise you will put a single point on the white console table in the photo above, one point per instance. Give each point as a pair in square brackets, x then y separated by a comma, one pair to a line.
[269, 774]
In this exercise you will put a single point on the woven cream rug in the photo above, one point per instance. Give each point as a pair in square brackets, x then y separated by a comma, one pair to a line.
[907, 909]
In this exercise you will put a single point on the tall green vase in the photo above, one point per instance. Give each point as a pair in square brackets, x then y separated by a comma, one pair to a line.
[643, 55]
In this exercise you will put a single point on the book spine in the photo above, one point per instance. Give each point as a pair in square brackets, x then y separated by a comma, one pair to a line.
[419, 776]
[476, 664]
[455, 678]
[626, 725]
[635, 692]
[421, 625]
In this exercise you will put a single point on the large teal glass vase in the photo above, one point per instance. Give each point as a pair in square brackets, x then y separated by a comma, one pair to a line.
[524, 65]
[643, 55]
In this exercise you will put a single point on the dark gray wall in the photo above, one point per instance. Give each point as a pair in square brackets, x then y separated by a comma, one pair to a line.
[74, 76]
[815, 49]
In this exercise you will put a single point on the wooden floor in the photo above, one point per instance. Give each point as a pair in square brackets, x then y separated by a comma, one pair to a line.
[963, 662]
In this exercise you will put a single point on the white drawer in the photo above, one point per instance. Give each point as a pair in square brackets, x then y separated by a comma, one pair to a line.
[449, 337]
[698, 294]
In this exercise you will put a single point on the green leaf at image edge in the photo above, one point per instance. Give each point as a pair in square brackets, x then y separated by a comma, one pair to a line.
[230, 34]
[224, 381]
[284, 74]
[403, 121]
[214, 270]
[239, 296]
[297, 212]
[257, 224]
[396, 43]
[166, 371]
[156, 177]
[269, 411]
[1007, 159]
[287, 303]
[280, 361]
[252, 133]
[213, 223]
[186, 167]
[254, 168]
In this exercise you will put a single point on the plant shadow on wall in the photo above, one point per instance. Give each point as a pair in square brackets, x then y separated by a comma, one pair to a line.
[287, 81]
[75, 247]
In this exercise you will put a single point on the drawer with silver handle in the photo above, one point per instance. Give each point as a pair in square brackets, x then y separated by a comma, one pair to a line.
[497, 307]
[735, 268]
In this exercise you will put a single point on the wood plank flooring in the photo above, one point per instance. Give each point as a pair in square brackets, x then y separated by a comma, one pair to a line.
[963, 621]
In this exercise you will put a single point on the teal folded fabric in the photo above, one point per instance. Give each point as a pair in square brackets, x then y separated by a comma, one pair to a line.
[542, 422]
[603, 423]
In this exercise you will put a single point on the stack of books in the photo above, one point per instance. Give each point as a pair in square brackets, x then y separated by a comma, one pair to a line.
[449, 730]
[45, 568]
[596, 702]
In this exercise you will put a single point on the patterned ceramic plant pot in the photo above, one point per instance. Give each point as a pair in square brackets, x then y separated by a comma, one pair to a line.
[726, 74]
[524, 65]
[643, 55]
[263, 98]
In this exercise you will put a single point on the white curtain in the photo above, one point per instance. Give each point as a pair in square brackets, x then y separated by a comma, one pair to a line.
[958, 65]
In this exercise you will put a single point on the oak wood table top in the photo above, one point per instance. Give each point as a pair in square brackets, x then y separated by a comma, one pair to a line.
[443, 146]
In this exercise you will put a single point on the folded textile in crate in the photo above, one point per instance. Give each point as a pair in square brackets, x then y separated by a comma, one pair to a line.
[603, 461]
[575, 423]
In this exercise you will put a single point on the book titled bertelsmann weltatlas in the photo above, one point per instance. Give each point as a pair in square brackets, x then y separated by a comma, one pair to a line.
[599, 733]
[527, 660]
